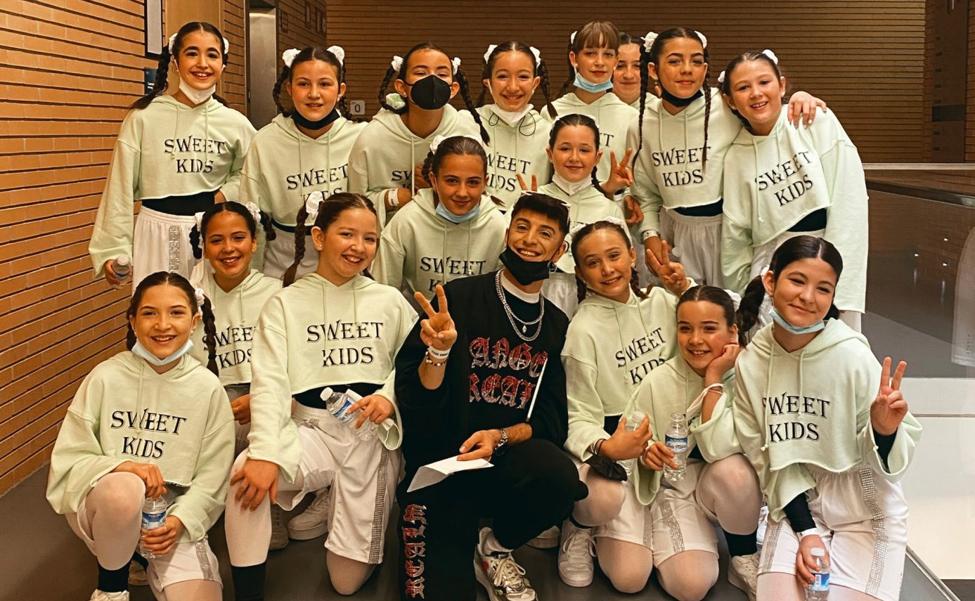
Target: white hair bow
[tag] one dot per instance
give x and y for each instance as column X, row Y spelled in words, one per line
column 312, row 202
column 704, row 40
column 172, row 44
column 339, row 53
column 771, row 56
column 198, row 217
column 721, row 77
column 201, row 298
column 288, row 56
column 490, row 50
column 396, row 63
column 253, row 210
column 537, row 53
column 572, row 37
column 456, row 63
column 649, row 39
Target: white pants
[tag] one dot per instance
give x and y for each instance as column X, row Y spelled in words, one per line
column 696, row 243
column 279, row 254
column 161, row 242
column 362, row 476
column 864, row 520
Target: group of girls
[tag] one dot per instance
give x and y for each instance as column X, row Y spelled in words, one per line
column 574, row 207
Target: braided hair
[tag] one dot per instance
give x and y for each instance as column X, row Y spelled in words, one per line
column 198, row 237
column 311, row 53
column 161, row 82
column 538, row 68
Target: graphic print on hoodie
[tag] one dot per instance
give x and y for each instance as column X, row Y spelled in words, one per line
column 167, row 149
column 420, row 249
column 812, row 406
column 773, row 181
column 384, row 156
column 515, row 149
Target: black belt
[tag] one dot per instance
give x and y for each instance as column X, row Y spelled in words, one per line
column 313, row 398
column 289, row 228
column 812, row 222
column 709, row 210
column 185, row 206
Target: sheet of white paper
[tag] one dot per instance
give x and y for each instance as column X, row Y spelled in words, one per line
column 431, row 473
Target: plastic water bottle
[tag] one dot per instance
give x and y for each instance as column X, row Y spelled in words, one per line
column 819, row 589
column 153, row 516
column 339, row 403
column 632, row 423
column 676, row 441
column 122, row 266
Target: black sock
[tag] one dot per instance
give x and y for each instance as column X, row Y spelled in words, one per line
column 572, row 519
column 142, row 561
column 113, row 581
column 741, row 544
column 249, row 582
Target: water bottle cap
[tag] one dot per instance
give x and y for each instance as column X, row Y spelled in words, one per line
column 818, row 552
column 326, row 393
column 123, row 260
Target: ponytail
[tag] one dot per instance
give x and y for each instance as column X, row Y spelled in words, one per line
column 300, row 228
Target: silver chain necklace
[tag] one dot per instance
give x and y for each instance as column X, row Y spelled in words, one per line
column 512, row 318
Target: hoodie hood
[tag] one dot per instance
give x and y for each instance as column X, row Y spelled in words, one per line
column 420, row 249
column 613, row 118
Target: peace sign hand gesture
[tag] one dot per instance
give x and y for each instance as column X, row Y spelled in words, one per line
column 525, row 187
column 889, row 408
column 437, row 330
column 620, row 174
column 671, row 273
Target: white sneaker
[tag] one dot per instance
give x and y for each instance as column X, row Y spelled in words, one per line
column 279, row 529
column 500, row 574
column 546, row 539
column 762, row 525
column 575, row 555
column 743, row 574
column 313, row 521
column 103, row 596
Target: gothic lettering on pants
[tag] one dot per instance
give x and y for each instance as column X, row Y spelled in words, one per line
column 414, row 549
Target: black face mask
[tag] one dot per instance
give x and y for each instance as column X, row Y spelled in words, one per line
column 526, row 272
column 677, row 101
column 430, row 93
column 300, row 120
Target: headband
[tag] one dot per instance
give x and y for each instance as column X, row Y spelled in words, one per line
column 172, row 43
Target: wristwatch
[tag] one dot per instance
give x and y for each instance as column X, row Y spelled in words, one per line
column 503, row 441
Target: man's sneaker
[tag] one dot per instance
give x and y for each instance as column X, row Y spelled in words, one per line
column 575, row 555
column 743, row 574
column 279, row 529
column 762, row 525
column 103, row 596
column 137, row 574
column 547, row 539
column 501, row 575
column 313, row 522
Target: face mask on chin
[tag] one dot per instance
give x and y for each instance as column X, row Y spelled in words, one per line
column 196, row 96
column 140, row 351
column 593, row 88
column 810, row 329
column 525, row 272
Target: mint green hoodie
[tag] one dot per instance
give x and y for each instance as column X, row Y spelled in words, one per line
column 586, row 206
column 674, row 388
column 314, row 334
column 283, row 165
column 613, row 117
column 167, row 149
column 386, row 152
column 812, row 406
column 235, row 315
column 604, row 365
column 668, row 171
column 124, row 411
column 417, row 244
column 515, row 150
column 773, row 181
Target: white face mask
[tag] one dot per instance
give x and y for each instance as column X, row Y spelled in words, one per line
column 140, row 351
column 512, row 118
column 570, row 188
column 196, row 96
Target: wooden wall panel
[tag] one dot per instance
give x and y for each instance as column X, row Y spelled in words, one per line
column 68, row 71
column 970, row 109
column 865, row 58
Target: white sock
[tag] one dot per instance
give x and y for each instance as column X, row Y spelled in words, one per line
column 492, row 546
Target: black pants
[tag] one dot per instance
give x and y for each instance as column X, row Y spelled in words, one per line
column 531, row 487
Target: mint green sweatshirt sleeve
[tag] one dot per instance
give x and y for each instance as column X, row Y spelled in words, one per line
column 644, row 189
column 112, row 234
column 716, row 437
column 780, row 486
column 273, row 435
column 201, row 505
column 737, row 245
column 584, row 405
column 359, row 177
column 646, row 482
column 231, row 187
column 78, row 461
column 905, row 441
column 388, row 266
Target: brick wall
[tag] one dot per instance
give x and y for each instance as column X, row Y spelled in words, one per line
column 68, row 70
